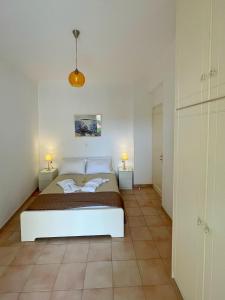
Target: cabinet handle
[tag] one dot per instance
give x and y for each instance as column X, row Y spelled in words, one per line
column 204, row 77
column 206, row 229
column 199, row 221
column 213, row 72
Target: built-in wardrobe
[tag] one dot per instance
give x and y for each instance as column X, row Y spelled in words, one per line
column 199, row 155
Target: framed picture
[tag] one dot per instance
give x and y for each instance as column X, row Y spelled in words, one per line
column 88, row 125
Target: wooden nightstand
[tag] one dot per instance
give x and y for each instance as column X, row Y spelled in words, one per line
column 126, row 178
column 45, row 177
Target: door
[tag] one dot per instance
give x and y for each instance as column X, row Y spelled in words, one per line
column 215, row 209
column 157, row 147
column 192, row 51
column 217, row 72
column 189, row 193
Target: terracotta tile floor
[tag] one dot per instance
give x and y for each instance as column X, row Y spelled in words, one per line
column 136, row 267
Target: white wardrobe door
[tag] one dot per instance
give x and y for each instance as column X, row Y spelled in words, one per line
column 217, row 78
column 215, row 213
column 190, row 188
column 193, row 19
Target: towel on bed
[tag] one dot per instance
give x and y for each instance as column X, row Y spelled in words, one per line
column 69, row 185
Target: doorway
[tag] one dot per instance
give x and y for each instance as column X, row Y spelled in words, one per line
column 157, row 147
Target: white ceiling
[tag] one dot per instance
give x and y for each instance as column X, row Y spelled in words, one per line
column 120, row 41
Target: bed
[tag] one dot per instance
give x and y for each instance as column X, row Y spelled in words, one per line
column 100, row 218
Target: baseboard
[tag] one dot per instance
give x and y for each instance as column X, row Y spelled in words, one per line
column 18, row 209
column 142, row 186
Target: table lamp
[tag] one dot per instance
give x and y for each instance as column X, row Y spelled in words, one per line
column 124, row 157
column 49, row 158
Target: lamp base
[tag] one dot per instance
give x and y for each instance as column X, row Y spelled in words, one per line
column 124, row 164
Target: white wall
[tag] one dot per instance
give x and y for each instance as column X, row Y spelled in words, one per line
column 58, row 103
column 142, row 137
column 126, row 123
column 164, row 93
column 19, row 140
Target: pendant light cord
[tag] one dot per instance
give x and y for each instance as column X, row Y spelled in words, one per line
column 76, row 53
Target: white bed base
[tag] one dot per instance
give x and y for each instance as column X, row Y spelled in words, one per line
column 76, row 222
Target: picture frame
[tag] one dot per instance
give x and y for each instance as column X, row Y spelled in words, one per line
column 88, row 125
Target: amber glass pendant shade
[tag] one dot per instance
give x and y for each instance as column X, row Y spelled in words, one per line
column 76, row 78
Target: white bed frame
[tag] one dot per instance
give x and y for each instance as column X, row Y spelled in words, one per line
column 67, row 223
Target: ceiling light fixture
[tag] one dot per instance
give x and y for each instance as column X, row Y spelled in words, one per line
column 76, row 78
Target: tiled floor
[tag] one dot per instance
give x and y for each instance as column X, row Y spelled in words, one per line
column 136, row 267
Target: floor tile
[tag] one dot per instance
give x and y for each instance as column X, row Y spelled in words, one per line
column 140, row 233
column 2, row 270
column 143, row 202
column 128, row 196
column 145, row 250
column 166, row 219
column 160, row 292
column 122, row 251
column 9, row 296
column 98, row 275
column 167, row 263
column 153, row 272
column 35, row 296
column 98, row 294
column 130, row 203
column 51, row 254
column 133, row 211
column 14, row 240
column 66, row 295
column 160, row 233
column 7, row 254
column 156, row 203
column 154, row 221
column 126, row 273
column 70, row 276
column 79, row 240
column 165, row 248
column 100, row 239
column 76, row 253
column 42, row 278
column 27, row 255
column 58, row 241
column 14, row 278
column 129, row 293
column 136, row 221
column 100, row 252
column 149, row 211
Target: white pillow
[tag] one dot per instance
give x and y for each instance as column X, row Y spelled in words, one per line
column 72, row 166
column 98, row 165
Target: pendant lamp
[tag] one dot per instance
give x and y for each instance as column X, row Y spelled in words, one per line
column 76, row 78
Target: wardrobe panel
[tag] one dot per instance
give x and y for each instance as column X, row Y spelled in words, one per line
column 190, row 189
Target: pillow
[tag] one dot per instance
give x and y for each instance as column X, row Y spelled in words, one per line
column 72, row 166
column 99, row 165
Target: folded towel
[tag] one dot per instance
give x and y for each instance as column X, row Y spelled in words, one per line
column 93, row 184
column 69, row 185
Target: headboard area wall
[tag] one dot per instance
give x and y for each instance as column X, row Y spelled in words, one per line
column 58, row 103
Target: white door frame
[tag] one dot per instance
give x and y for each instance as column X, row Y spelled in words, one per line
column 157, row 147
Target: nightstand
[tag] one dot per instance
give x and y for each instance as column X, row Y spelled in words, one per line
column 45, row 177
column 126, row 178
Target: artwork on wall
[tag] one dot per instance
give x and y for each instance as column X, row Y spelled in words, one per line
column 88, row 125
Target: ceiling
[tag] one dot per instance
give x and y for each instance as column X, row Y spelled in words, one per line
column 121, row 41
